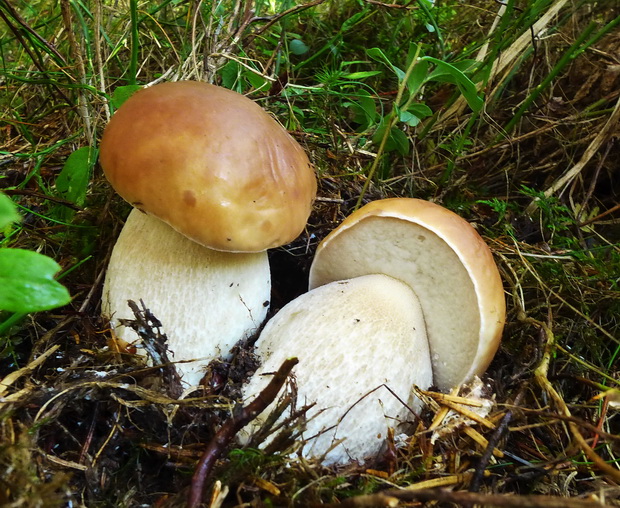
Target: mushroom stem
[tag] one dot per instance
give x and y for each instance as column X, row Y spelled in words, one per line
column 206, row 300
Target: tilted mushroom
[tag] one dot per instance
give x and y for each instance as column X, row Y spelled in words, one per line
column 218, row 169
column 361, row 325
column 446, row 263
column 361, row 346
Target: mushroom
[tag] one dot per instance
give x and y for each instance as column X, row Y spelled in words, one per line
column 361, row 345
column 223, row 176
column 446, row 263
column 404, row 292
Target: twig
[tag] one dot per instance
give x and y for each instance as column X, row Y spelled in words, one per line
column 476, row 479
column 242, row 415
column 275, row 19
column 407, row 6
column 600, row 216
column 41, row 195
column 155, row 343
column 14, row 376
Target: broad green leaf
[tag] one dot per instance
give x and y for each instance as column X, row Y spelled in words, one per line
column 397, row 140
column 256, row 80
column 27, row 282
column 122, row 93
column 441, row 74
column 418, row 74
column 378, row 55
column 298, row 47
column 465, row 85
column 8, row 211
column 230, row 75
column 367, row 103
column 365, row 110
column 352, row 21
column 420, row 110
column 412, row 53
column 72, row 181
column 408, row 118
column 413, row 116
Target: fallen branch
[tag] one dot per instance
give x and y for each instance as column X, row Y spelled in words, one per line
column 242, row 415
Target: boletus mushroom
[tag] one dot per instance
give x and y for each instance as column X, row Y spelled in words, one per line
column 445, row 262
column 215, row 181
column 361, row 345
column 403, row 292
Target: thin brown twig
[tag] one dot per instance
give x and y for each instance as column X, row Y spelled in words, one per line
column 600, row 215
column 275, row 19
column 35, row 194
column 242, row 415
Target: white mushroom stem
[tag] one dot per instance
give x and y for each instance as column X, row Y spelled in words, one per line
column 361, row 346
column 206, row 300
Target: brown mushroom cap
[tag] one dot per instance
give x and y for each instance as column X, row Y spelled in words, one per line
column 212, row 164
column 446, row 263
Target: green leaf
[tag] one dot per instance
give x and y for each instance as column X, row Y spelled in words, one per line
column 378, row 55
column 414, row 114
column 122, row 93
column 256, row 80
column 27, row 282
column 230, row 76
column 298, row 47
column 420, row 110
column 361, row 75
column 397, row 140
column 465, row 85
column 72, row 181
column 8, row 211
column 365, row 110
column 418, row 74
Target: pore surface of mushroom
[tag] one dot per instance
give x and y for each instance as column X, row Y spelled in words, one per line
column 206, row 300
column 446, row 263
column 354, row 339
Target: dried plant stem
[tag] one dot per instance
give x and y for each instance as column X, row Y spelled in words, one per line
column 14, row 376
column 603, row 135
column 542, row 380
column 77, row 55
column 242, row 415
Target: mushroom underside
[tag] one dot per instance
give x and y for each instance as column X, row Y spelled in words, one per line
column 416, row 255
column 362, row 346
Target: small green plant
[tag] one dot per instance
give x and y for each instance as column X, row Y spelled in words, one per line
column 27, row 281
column 406, row 109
